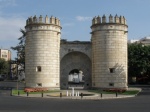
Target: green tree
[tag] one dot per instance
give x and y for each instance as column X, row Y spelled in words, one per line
column 4, row 66
column 20, row 49
column 138, row 60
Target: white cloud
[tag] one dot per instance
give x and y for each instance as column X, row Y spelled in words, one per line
column 6, row 3
column 81, row 18
column 9, row 28
column 68, row 24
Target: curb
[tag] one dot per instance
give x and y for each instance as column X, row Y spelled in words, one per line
column 95, row 97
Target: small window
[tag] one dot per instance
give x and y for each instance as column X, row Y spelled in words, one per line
column 4, row 56
column 111, row 84
column 38, row 69
column 57, row 84
column 112, row 70
column 39, row 84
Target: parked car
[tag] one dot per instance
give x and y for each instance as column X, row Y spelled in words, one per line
column 2, row 78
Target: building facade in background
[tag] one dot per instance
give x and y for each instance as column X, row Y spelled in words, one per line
column 5, row 54
column 145, row 41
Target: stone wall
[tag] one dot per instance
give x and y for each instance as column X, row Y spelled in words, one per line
column 109, row 54
column 75, row 55
column 42, row 53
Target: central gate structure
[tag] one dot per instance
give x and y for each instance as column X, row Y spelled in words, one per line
column 75, row 55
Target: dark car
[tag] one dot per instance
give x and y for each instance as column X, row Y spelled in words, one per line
column 2, row 78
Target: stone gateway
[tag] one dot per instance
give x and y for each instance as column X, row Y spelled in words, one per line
column 54, row 63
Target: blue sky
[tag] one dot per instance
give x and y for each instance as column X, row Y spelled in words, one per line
column 75, row 17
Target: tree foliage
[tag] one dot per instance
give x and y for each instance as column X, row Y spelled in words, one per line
column 138, row 60
column 4, row 66
column 20, row 49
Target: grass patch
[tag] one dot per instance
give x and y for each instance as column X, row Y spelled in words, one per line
column 15, row 92
column 129, row 92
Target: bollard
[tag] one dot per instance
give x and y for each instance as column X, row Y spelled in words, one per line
column 18, row 93
column 42, row 94
column 73, row 91
column 101, row 95
column 60, row 95
column 116, row 94
column 11, row 93
column 76, row 94
column 81, row 95
column 27, row 93
column 67, row 93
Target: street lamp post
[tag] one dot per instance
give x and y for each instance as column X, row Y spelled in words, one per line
column 17, row 76
column 17, row 72
column 16, row 62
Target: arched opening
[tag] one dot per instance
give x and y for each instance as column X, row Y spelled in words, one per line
column 76, row 78
column 74, row 63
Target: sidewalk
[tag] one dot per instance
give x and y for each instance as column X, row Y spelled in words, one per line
column 143, row 87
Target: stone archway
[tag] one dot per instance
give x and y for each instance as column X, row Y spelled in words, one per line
column 75, row 60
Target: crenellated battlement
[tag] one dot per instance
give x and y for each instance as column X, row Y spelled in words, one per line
column 111, row 19
column 41, row 20
column 40, row 23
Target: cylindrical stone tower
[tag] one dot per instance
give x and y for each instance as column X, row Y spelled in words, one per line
column 42, row 63
column 109, row 52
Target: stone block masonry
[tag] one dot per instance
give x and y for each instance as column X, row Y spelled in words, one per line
column 42, row 52
column 109, row 52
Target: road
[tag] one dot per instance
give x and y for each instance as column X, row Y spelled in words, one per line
column 25, row 104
